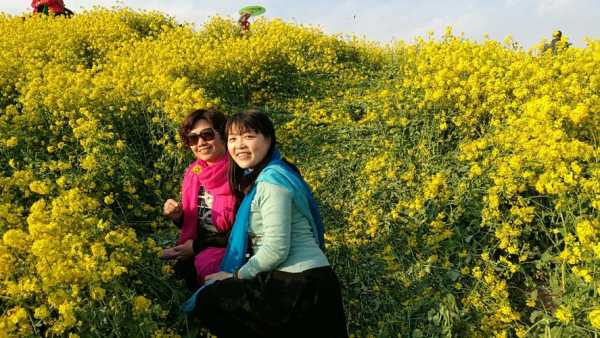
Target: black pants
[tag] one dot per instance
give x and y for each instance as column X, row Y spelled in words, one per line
column 185, row 269
column 275, row 304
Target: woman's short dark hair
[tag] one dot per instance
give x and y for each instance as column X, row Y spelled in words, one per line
column 213, row 115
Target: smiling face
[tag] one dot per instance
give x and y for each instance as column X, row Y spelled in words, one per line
column 204, row 148
column 247, row 148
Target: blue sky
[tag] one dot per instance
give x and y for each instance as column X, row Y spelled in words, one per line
column 383, row 20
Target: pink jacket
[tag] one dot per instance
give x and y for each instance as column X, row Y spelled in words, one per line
column 215, row 181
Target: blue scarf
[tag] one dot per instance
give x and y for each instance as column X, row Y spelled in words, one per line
column 281, row 174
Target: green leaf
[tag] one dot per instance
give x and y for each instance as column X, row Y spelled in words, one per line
column 535, row 316
column 453, row 275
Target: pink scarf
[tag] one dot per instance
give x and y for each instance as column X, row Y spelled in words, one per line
column 214, row 180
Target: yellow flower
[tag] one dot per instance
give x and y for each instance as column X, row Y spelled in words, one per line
column 41, row 312
column 11, row 142
column 115, row 238
column 141, row 304
column 476, row 271
column 98, row 250
column 563, row 314
column 531, row 300
column 120, row 145
column 98, row 293
column 109, row 199
column 165, row 333
column 89, row 162
column 40, row 187
column 585, row 232
column 67, row 315
column 16, row 239
column 167, row 268
column 61, row 181
column 197, row 169
column 594, row 318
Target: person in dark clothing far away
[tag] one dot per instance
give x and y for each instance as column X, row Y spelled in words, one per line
column 557, row 43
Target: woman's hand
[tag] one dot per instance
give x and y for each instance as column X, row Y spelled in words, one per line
column 182, row 251
column 169, row 253
column 219, row 276
column 185, row 250
column 172, row 210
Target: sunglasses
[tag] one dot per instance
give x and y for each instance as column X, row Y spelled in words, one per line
column 207, row 134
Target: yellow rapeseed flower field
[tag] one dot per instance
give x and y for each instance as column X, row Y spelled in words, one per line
column 459, row 181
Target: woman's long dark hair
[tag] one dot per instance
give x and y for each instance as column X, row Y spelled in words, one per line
column 258, row 122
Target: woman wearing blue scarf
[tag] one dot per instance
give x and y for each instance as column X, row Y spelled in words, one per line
column 281, row 285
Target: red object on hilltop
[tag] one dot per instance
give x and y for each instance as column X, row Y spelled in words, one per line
column 244, row 23
column 54, row 6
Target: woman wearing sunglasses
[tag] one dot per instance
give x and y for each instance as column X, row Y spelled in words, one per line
column 207, row 208
column 287, row 287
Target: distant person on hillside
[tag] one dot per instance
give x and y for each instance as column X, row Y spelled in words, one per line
column 55, row 7
column 246, row 13
column 557, row 43
column 244, row 23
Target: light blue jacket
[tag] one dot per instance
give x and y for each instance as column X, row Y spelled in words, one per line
column 281, row 235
